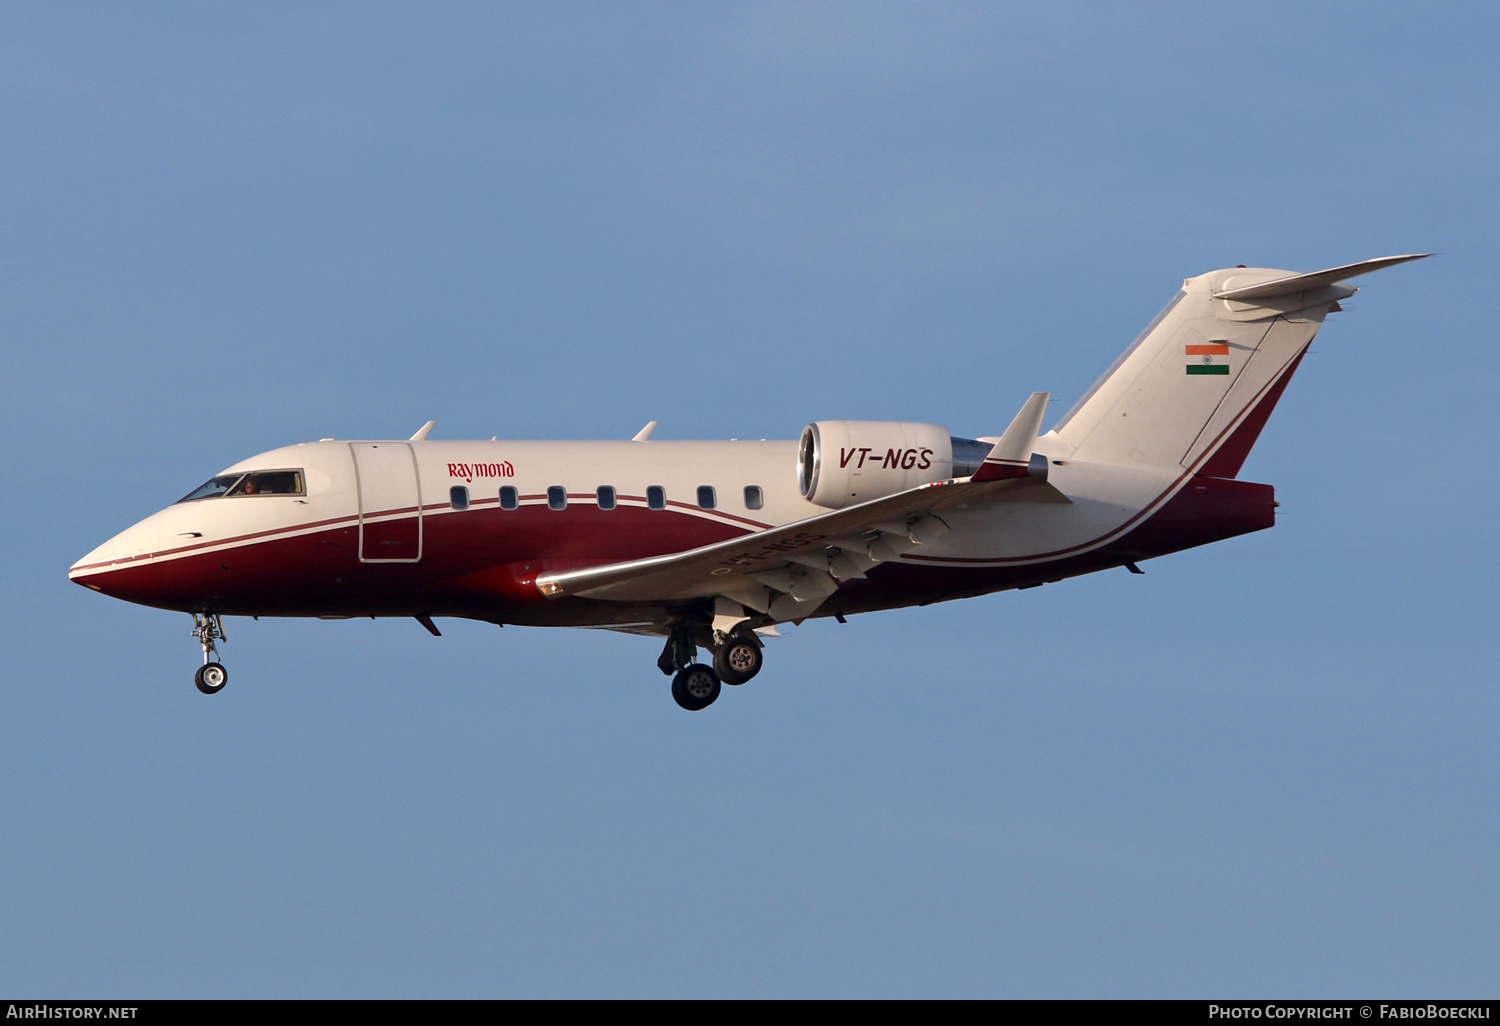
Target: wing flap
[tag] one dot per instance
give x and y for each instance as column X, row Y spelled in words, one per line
column 793, row 560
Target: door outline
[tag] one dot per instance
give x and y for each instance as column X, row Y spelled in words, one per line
column 360, row 492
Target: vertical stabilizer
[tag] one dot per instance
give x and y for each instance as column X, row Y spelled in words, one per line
column 1221, row 347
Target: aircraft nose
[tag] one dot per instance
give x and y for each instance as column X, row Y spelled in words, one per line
column 87, row 567
column 123, row 567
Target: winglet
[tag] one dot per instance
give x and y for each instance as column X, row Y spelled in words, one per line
column 422, row 432
column 1012, row 454
column 645, row 432
column 1313, row 280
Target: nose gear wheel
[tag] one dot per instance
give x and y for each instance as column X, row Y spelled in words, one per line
column 211, row 678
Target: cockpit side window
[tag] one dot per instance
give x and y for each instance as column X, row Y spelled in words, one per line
column 270, row 482
column 259, row 482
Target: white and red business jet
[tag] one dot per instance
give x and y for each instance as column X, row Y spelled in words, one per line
column 712, row 544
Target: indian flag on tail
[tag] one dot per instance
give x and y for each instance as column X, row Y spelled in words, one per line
column 1203, row 354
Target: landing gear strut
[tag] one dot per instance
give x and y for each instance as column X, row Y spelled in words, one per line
column 681, row 650
column 211, row 676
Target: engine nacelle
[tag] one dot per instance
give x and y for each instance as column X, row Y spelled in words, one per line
column 844, row 462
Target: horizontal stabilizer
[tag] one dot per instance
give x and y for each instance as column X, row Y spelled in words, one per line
column 1012, row 453
column 1313, row 280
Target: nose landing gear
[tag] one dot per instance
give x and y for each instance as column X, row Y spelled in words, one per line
column 211, row 676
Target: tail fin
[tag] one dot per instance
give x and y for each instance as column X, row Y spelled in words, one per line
column 1214, row 361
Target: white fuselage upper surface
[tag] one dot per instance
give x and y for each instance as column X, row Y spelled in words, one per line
column 1104, row 497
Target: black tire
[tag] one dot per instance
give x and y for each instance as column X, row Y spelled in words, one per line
column 211, row 678
column 737, row 660
column 695, row 687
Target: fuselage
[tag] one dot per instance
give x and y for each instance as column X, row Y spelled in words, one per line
column 463, row 528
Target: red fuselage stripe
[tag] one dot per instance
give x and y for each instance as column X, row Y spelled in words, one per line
column 353, row 519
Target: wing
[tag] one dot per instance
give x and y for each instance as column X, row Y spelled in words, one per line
column 786, row 572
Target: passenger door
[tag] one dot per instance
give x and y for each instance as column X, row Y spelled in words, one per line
column 390, row 503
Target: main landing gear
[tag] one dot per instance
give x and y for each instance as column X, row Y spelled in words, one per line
column 738, row 659
column 211, row 676
column 695, row 686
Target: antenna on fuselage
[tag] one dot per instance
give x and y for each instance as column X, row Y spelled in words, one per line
column 645, row 432
column 421, row 435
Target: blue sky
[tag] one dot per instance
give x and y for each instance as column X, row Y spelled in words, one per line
column 1265, row 768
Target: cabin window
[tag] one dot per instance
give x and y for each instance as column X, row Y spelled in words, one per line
column 508, row 497
column 458, row 497
column 557, row 497
column 706, row 497
column 606, row 497
column 754, row 499
column 656, row 497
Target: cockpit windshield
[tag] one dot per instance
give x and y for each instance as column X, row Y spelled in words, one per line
column 259, row 482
